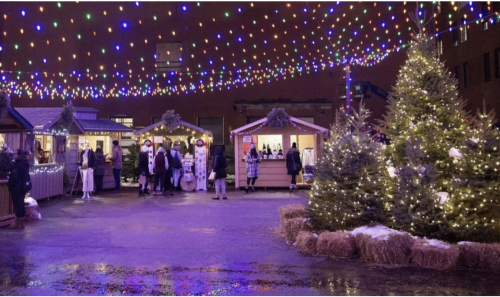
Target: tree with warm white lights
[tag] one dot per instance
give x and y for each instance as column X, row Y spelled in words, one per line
column 347, row 190
column 475, row 208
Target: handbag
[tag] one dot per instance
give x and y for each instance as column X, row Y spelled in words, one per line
column 177, row 163
column 142, row 179
column 211, row 176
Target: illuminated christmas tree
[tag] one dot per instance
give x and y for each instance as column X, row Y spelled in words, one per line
column 347, row 190
column 476, row 205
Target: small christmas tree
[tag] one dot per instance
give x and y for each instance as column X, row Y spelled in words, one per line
column 347, row 191
column 130, row 169
column 476, row 204
column 6, row 161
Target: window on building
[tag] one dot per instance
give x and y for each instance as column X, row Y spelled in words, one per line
column 457, row 75
column 466, row 75
column 168, row 57
column 126, row 121
column 455, row 34
column 497, row 63
column 484, row 12
column 216, row 125
column 487, row 70
column 440, row 45
column 463, row 31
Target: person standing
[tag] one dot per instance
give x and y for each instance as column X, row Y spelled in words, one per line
column 100, row 167
column 117, row 162
column 293, row 165
column 176, row 165
column 252, row 160
column 161, row 166
column 220, row 165
column 19, row 184
column 168, row 174
column 144, row 171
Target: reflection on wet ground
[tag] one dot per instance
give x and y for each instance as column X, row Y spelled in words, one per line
column 172, row 251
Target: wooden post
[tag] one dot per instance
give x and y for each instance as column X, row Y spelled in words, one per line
column 236, row 160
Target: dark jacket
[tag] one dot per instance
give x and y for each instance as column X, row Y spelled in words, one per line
column 91, row 163
column 20, row 173
column 170, row 160
column 144, row 163
column 220, row 163
column 117, row 158
column 160, row 164
column 100, row 163
column 292, row 156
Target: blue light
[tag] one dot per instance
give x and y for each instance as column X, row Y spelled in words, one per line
column 136, row 3
column 332, row 10
column 218, row 36
column 45, row 61
column 38, row 27
column 1, row 48
column 117, row 47
column 239, row 39
column 393, row 17
column 330, row 32
column 184, row 8
column 23, row 13
column 383, row 25
column 4, row 78
column 239, row 9
column 305, row 9
column 355, row 32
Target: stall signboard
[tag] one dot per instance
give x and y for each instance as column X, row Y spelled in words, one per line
column 158, row 139
column 247, row 139
column 81, row 140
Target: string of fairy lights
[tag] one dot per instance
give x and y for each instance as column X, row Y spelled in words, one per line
column 80, row 50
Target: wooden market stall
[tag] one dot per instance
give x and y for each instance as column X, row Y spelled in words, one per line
column 187, row 135
column 96, row 132
column 13, row 128
column 273, row 172
column 47, row 145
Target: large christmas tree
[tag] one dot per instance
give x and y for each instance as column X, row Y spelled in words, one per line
column 475, row 207
column 426, row 112
column 347, row 190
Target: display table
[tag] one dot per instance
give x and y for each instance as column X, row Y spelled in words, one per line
column 273, row 173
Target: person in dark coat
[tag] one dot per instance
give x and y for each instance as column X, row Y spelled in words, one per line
column 100, row 168
column 168, row 185
column 144, row 171
column 160, row 169
column 220, row 165
column 19, row 178
column 293, row 165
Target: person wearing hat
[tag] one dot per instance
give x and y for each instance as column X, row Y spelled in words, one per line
column 117, row 162
column 252, row 160
column 176, row 165
column 160, row 169
column 100, row 163
column 293, row 165
column 19, row 179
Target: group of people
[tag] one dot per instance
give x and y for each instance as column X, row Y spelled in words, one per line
column 253, row 158
column 167, row 170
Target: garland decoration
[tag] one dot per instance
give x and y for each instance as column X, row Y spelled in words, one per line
column 67, row 115
column 4, row 104
column 172, row 120
column 278, row 118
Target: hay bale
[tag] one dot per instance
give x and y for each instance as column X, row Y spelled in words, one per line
column 292, row 227
column 434, row 254
column 291, row 211
column 306, row 241
column 384, row 246
column 336, row 244
column 480, row 255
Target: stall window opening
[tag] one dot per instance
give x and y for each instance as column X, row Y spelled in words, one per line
column 43, row 149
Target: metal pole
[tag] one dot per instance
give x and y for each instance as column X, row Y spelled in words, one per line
column 348, row 88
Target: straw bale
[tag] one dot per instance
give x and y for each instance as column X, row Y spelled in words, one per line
column 291, row 211
column 336, row 244
column 480, row 255
column 306, row 241
column 385, row 247
column 434, row 254
column 292, row 227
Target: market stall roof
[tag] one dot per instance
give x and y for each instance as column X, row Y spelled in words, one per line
column 104, row 125
column 292, row 119
column 13, row 121
column 44, row 118
column 185, row 124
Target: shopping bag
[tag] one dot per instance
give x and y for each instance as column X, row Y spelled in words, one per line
column 211, row 176
column 142, row 179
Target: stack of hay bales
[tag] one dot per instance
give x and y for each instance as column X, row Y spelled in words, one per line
column 434, row 254
column 480, row 255
column 306, row 241
column 384, row 246
column 336, row 244
column 292, row 221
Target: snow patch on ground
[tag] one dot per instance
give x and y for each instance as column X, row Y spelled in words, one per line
column 465, row 243
column 378, row 232
column 437, row 243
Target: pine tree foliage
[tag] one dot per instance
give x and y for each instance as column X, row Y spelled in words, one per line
column 476, row 203
column 425, row 103
column 130, row 169
column 347, row 190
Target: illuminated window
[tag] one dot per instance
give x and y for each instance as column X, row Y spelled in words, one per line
column 168, row 57
column 463, row 31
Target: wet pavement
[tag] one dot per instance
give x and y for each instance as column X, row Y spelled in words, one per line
column 188, row 244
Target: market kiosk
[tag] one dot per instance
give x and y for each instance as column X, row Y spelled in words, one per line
column 13, row 129
column 194, row 143
column 273, row 172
